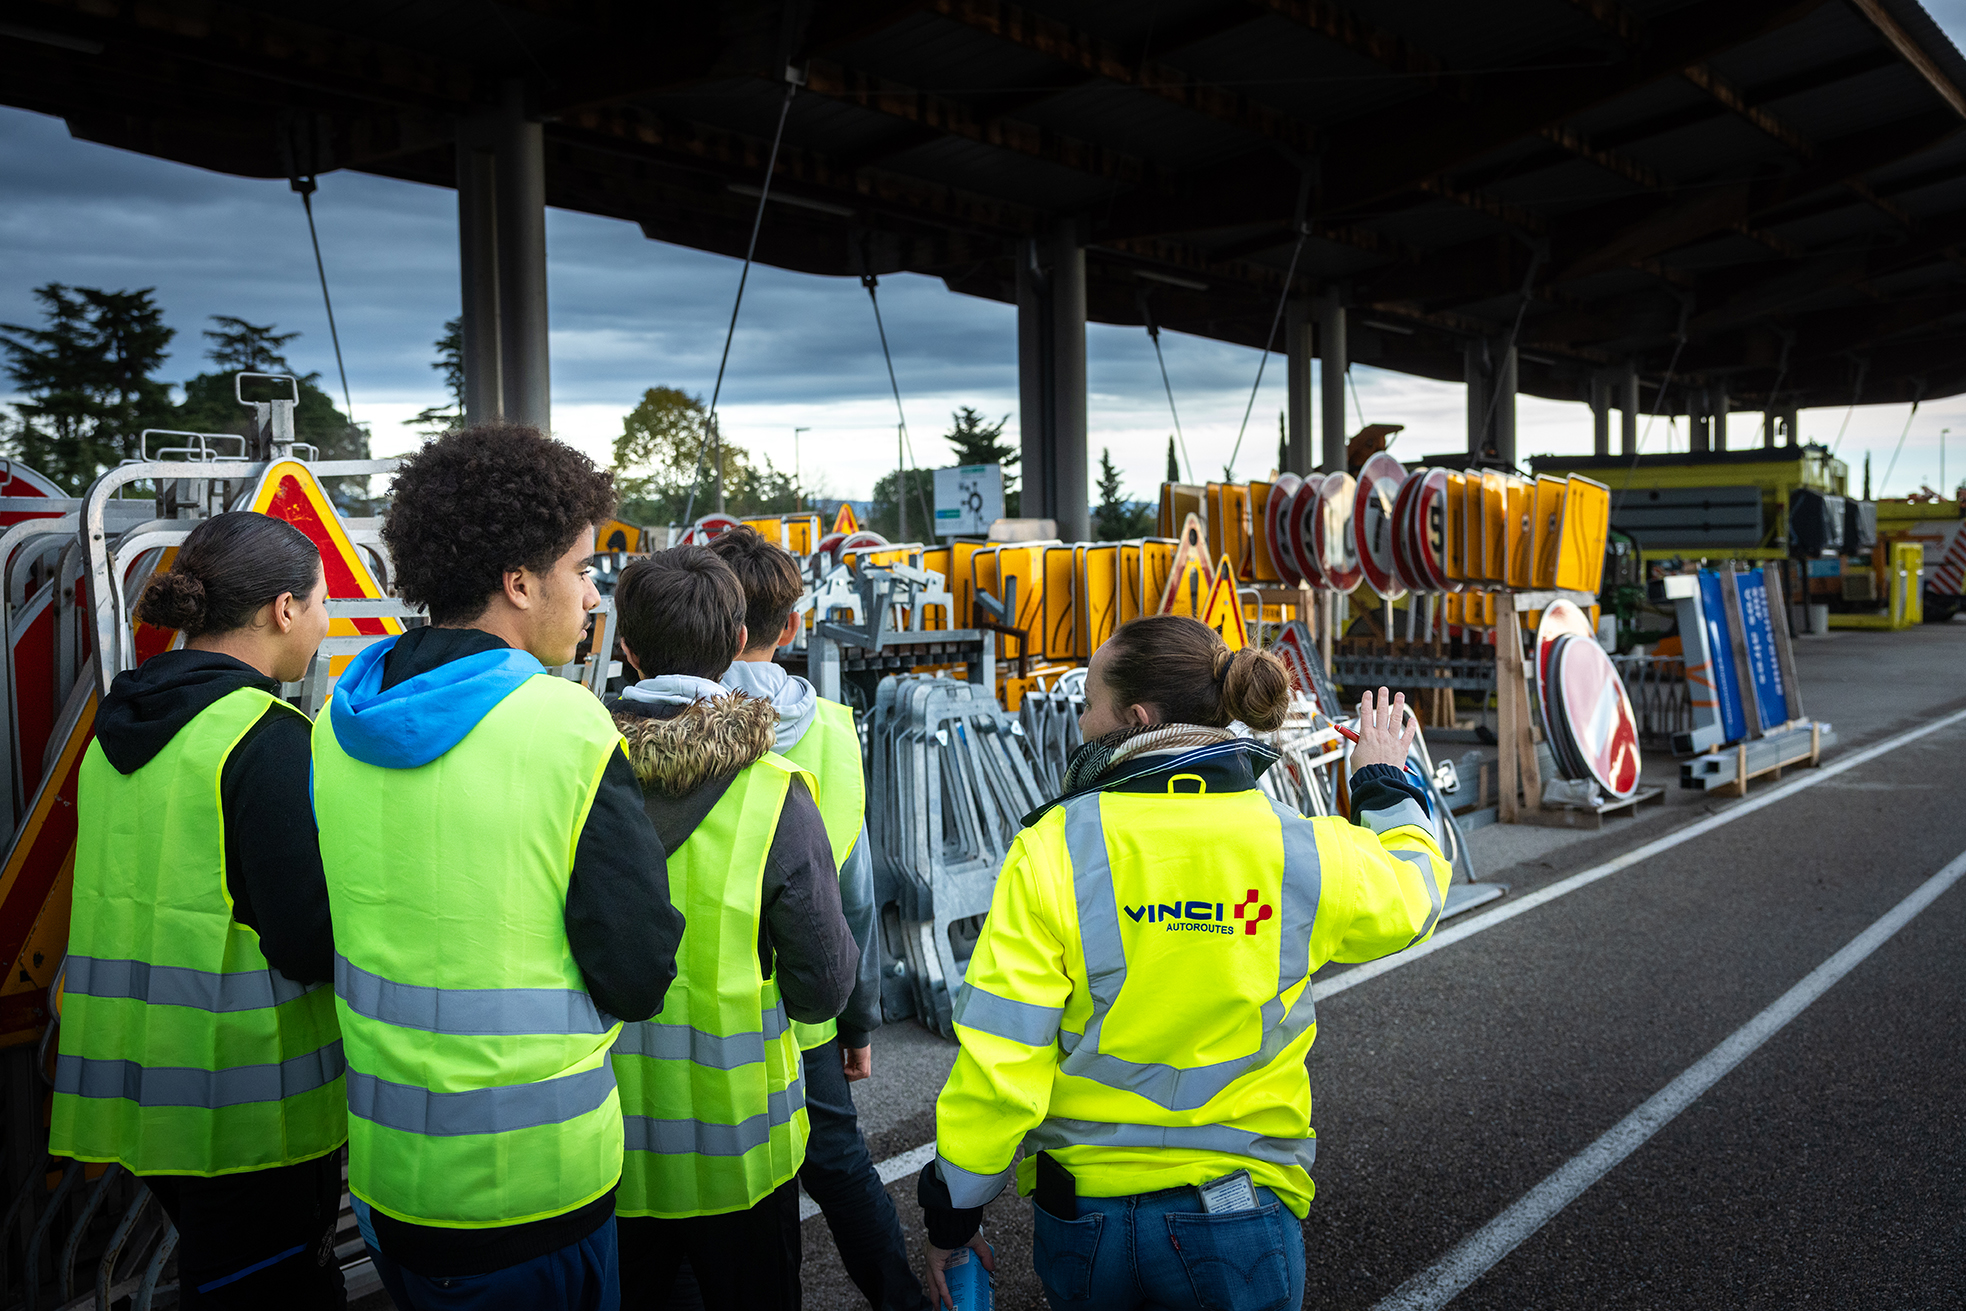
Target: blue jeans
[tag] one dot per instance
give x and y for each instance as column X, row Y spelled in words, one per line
column 582, row 1276
column 1161, row 1250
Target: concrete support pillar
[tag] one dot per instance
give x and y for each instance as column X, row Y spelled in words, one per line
column 1334, row 361
column 1297, row 352
column 1475, row 372
column 1768, row 424
column 1699, row 422
column 1717, row 406
column 501, row 214
column 522, row 264
column 1790, row 436
column 1600, row 402
column 477, row 251
column 1628, row 403
column 1490, row 371
column 1051, row 380
column 1505, row 387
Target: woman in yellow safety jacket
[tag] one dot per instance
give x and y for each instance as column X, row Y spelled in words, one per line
column 1138, row 1009
column 198, row 1046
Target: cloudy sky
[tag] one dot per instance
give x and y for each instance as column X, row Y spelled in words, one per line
column 629, row 313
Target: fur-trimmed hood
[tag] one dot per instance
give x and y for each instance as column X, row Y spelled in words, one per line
column 707, row 740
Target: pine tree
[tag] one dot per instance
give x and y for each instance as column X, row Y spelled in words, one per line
column 977, row 442
column 242, row 347
column 87, row 378
column 1173, row 466
column 440, row 419
column 211, row 402
column 1116, row 517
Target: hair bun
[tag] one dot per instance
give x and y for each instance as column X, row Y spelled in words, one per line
column 1223, row 659
column 173, row 600
column 1255, row 689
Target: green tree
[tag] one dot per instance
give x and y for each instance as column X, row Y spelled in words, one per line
column 87, row 376
column 977, row 442
column 211, row 402
column 655, row 460
column 1173, row 465
column 440, row 419
column 1117, row 517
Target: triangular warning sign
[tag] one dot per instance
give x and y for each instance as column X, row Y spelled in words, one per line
column 289, row 490
column 1223, row 609
column 845, row 522
column 1190, row 552
column 1187, row 591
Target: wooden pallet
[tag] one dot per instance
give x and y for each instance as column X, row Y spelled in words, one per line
column 1593, row 817
column 1813, row 757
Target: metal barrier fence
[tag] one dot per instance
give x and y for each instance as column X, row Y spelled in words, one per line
column 1657, row 688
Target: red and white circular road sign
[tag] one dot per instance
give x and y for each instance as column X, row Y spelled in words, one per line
column 1379, row 481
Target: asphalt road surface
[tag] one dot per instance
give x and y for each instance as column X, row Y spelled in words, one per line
column 1827, row 1166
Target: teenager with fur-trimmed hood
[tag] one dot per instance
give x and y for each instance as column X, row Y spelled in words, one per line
column 712, row 1092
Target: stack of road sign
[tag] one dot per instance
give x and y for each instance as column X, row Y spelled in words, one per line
column 1740, row 675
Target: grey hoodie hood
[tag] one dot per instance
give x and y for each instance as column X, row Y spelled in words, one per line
column 792, row 697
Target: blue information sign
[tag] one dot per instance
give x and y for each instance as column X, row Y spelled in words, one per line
column 1758, row 627
column 1720, row 658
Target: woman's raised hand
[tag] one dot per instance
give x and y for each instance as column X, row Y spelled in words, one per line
column 1385, row 731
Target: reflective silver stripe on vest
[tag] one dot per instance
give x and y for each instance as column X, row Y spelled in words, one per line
column 1019, row 1021
column 1388, row 818
column 1171, row 1087
column 167, row 1085
column 478, row 1110
column 467, row 1012
column 1421, row 861
column 177, row 985
column 642, row 1133
column 968, row 1189
column 681, row 1042
column 1058, row 1132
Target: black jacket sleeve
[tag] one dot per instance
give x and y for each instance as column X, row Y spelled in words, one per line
column 949, row 1226
column 803, row 925
column 272, row 851
column 620, row 922
column 1381, row 787
column 863, row 1010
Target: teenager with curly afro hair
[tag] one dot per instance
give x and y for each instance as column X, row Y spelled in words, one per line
column 482, row 502
column 521, row 862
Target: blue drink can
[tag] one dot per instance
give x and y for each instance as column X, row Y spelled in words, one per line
column 970, row 1285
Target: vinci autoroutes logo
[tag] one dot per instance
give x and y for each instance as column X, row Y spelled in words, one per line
column 1203, row 916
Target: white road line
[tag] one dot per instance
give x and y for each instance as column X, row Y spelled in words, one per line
column 917, row 1157
column 1475, row 1255
column 1584, row 878
column 894, row 1167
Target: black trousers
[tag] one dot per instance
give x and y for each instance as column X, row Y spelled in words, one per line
column 839, row 1175
column 742, row 1260
column 256, row 1240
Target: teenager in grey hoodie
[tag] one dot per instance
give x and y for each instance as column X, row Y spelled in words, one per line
column 838, row 1172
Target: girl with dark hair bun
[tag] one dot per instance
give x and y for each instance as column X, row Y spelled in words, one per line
column 197, row 1046
column 1137, row 1009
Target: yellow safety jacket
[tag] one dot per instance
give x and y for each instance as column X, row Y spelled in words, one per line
column 830, row 752
column 1139, row 1001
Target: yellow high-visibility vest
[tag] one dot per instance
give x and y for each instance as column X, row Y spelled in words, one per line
column 182, row 1051
column 830, row 753
column 712, row 1088
column 479, row 1088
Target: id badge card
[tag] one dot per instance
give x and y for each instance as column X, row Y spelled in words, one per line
column 1232, row 1192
